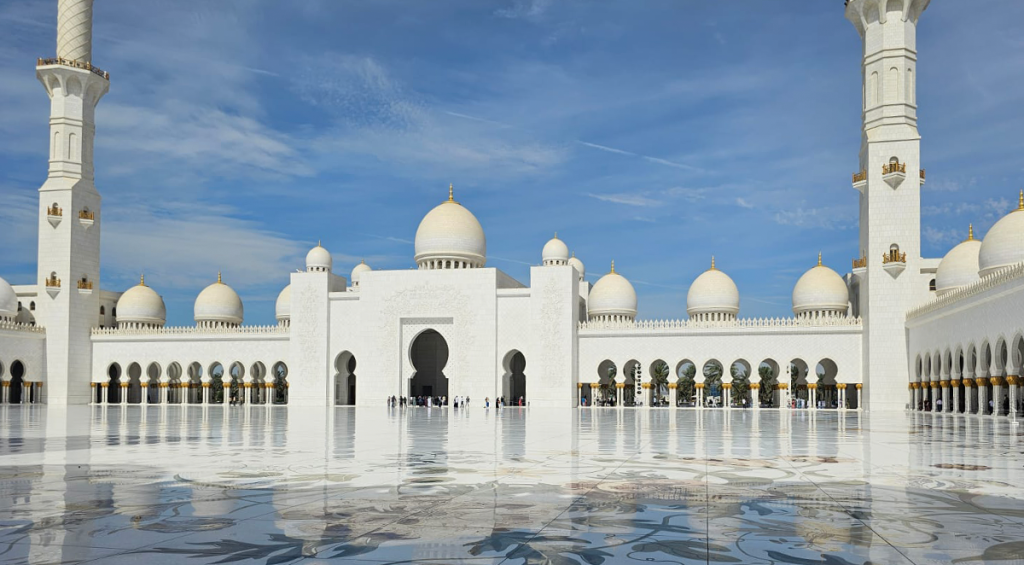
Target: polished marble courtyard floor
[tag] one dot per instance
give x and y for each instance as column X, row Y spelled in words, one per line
column 600, row 486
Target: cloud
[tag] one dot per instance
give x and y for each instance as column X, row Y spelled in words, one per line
column 689, row 194
column 628, row 199
column 648, row 158
column 937, row 236
column 646, row 219
column 829, row 218
column 524, row 9
column 742, row 203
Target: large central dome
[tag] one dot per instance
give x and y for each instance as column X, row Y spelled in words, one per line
column 450, row 237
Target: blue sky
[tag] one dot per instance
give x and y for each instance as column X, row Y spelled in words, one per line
column 238, row 133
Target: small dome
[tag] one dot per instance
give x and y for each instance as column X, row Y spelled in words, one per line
column 555, row 252
column 960, row 266
column 283, row 307
column 450, row 235
column 713, row 292
column 219, row 304
column 612, row 295
column 8, row 301
column 141, row 305
column 357, row 271
column 578, row 265
column 1004, row 243
column 820, row 290
column 319, row 259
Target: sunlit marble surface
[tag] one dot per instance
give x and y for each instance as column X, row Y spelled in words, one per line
column 252, row 485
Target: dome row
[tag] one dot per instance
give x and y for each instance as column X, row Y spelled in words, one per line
column 713, row 296
column 971, row 260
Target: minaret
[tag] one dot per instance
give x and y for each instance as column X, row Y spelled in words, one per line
column 890, row 182
column 69, row 208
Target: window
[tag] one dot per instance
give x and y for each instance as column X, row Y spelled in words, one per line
column 103, row 310
column 931, row 285
column 32, row 306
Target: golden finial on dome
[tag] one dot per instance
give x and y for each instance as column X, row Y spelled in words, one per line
column 451, row 192
column 819, row 258
column 713, row 263
column 219, row 281
column 362, row 261
column 970, row 232
column 319, row 243
column 573, row 253
column 556, row 235
column 613, row 266
column 1020, row 202
column 142, row 279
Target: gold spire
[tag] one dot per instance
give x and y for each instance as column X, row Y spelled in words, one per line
column 713, row 263
column 219, row 281
column 970, row 232
column 451, row 192
column 573, row 253
column 819, row 258
column 142, row 279
column 1020, row 203
column 319, row 243
column 556, row 235
column 613, row 265
column 362, row 261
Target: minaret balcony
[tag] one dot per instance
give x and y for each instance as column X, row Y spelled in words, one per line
column 922, row 177
column 860, row 266
column 894, row 262
column 53, row 286
column 73, row 64
column 860, row 180
column 54, row 214
column 85, row 286
column 86, row 218
column 894, row 174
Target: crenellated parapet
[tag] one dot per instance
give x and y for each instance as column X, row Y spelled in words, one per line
column 817, row 321
column 9, row 325
column 141, row 329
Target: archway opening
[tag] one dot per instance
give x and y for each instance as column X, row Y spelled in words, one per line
column 739, row 372
column 195, row 383
column 659, row 372
column 152, row 384
column 606, row 395
column 345, row 379
column 798, row 375
column 633, row 374
column 174, row 383
column 514, row 382
column 429, row 355
column 712, row 372
column 280, row 373
column 134, row 383
column 113, row 383
column 258, row 372
column 216, row 383
column 235, row 390
column 768, row 370
column 828, row 393
column 17, row 382
column 686, row 370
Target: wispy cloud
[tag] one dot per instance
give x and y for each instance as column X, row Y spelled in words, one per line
column 742, row 203
column 629, row 199
column 829, row 218
column 648, row 158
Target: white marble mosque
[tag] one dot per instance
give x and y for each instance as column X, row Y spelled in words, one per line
column 899, row 331
column 123, row 440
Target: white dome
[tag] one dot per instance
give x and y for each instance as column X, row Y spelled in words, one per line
column 357, row 271
column 555, row 252
column 713, row 292
column 318, row 259
column 452, row 233
column 960, row 266
column 820, row 289
column 612, row 295
column 283, row 307
column 1004, row 243
column 141, row 305
column 578, row 265
column 8, row 301
column 219, row 304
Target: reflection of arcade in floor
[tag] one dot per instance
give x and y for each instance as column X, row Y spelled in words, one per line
column 429, row 354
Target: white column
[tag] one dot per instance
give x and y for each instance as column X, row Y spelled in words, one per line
column 1012, row 381
column 755, row 396
column 812, row 396
column 4, row 387
column 997, row 396
column 945, row 396
column 673, row 395
column 982, row 396
column 954, row 405
column 123, row 399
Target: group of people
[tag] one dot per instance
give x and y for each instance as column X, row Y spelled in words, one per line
column 427, row 401
column 500, row 402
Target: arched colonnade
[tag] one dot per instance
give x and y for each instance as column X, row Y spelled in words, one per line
column 193, row 383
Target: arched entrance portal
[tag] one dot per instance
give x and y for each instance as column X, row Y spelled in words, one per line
column 345, row 379
column 429, row 355
column 514, row 386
